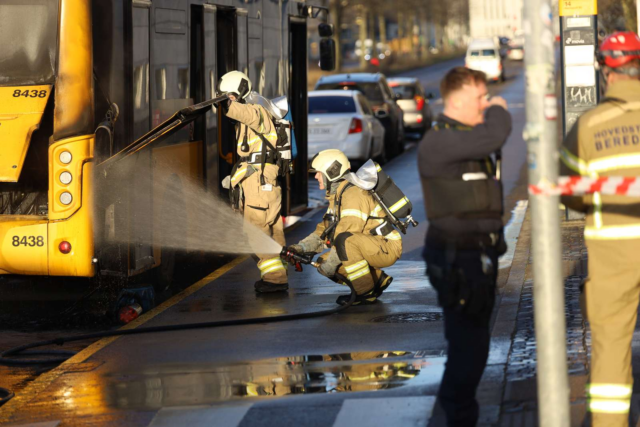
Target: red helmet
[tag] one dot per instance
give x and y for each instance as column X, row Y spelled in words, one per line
column 619, row 49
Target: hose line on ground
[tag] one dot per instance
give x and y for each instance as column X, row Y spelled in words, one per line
column 12, row 356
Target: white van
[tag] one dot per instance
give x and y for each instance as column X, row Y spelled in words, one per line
column 484, row 55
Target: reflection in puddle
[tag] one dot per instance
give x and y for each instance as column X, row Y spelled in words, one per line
column 197, row 384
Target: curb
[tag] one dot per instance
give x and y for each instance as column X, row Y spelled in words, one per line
column 491, row 389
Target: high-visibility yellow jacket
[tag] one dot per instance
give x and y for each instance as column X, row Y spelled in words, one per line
column 359, row 213
column 252, row 120
column 606, row 142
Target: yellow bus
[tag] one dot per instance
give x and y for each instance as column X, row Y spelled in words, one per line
column 81, row 80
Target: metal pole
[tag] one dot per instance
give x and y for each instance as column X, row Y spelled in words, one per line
column 541, row 135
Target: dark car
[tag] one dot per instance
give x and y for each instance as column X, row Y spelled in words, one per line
column 414, row 102
column 375, row 88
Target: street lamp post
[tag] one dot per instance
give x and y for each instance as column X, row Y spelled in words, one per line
column 541, row 136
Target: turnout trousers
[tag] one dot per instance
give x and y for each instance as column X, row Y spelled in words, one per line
column 612, row 294
column 363, row 256
column 262, row 209
column 466, row 329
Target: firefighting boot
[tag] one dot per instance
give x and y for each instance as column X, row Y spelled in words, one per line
column 364, row 299
column 265, row 287
column 383, row 283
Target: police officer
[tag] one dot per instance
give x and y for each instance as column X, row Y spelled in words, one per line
column 362, row 242
column 463, row 200
column 257, row 174
column 606, row 142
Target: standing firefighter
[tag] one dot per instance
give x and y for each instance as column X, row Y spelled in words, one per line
column 356, row 229
column 606, row 142
column 463, row 200
column 256, row 174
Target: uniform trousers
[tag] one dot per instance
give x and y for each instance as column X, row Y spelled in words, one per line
column 612, row 293
column 262, row 206
column 466, row 327
column 363, row 256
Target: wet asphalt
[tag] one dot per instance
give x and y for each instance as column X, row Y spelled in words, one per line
column 308, row 372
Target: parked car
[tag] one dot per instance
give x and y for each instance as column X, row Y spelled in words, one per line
column 516, row 49
column 414, row 102
column 344, row 119
column 375, row 88
column 484, row 55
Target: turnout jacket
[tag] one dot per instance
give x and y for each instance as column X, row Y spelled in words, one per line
column 359, row 213
column 452, row 159
column 252, row 121
column 606, row 142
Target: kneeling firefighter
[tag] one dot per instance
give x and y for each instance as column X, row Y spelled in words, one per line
column 254, row 179
column 356, row 228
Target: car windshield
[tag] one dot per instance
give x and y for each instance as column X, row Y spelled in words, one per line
column 483, row 52
column 405, row 91
column 28, row 29
column 370, row 90
column 331, row 104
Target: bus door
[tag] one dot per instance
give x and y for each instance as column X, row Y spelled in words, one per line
column 231, row 54
column 296, row 195
column 139, row 123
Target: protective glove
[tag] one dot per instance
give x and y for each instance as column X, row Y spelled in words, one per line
column 297, row 249
column 330, row 264
column 311, row 243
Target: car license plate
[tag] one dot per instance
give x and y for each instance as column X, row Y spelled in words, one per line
column 320, row 131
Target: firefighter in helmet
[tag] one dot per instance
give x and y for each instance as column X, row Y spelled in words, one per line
column 606, row 142
column 256, row 173
column 361, row 241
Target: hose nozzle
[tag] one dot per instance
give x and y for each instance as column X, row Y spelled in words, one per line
column 296, row 258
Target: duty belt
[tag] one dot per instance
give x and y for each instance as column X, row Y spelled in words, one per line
column 255, row 158
column 467, row 241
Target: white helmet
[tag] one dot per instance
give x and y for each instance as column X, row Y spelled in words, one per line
column 235, row 82
column 332, row 163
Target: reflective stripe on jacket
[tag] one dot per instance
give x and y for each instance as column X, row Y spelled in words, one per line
column 606, row 142
column 359, row 213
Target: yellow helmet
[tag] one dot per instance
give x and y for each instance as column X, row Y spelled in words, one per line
column 332, row 163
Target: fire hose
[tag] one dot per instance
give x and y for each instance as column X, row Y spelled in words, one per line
column 13, row 356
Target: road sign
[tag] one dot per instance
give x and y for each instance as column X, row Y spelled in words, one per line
column 578, row 7
column 580, row 89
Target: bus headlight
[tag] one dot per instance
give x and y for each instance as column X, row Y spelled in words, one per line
column 65, row 178
column 65, row 157
column 66, row 198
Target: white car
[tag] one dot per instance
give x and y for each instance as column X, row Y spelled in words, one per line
column 343, row 119
column 484, row 55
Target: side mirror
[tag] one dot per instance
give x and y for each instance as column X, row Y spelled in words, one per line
column 327, row 54
column 325, row 30
column 381, row 114
column 397, row 96
column 429, row 95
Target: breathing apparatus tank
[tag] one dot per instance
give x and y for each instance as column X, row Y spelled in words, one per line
column 383, row 189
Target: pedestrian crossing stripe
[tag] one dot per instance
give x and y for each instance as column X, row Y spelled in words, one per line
column 373, row 412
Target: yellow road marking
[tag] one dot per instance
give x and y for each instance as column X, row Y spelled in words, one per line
column 44, row 380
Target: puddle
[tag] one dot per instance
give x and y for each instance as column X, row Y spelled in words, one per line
column 198, row 384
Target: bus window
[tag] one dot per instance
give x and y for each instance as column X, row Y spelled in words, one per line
column 170, row 53
column 28, row 30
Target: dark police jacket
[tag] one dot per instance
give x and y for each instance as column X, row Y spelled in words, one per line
column 460, row 191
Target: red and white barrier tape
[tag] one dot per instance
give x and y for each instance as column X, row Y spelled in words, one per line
column 581, row 185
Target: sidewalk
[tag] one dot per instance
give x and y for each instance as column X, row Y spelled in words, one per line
column 509, row 382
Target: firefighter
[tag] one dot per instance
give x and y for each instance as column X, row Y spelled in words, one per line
column 606, row 142
column 362, row 242
column 463, row 201
column 256, row 173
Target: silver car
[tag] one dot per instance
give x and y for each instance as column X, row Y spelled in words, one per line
column 414, row 102
column 344, row 119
